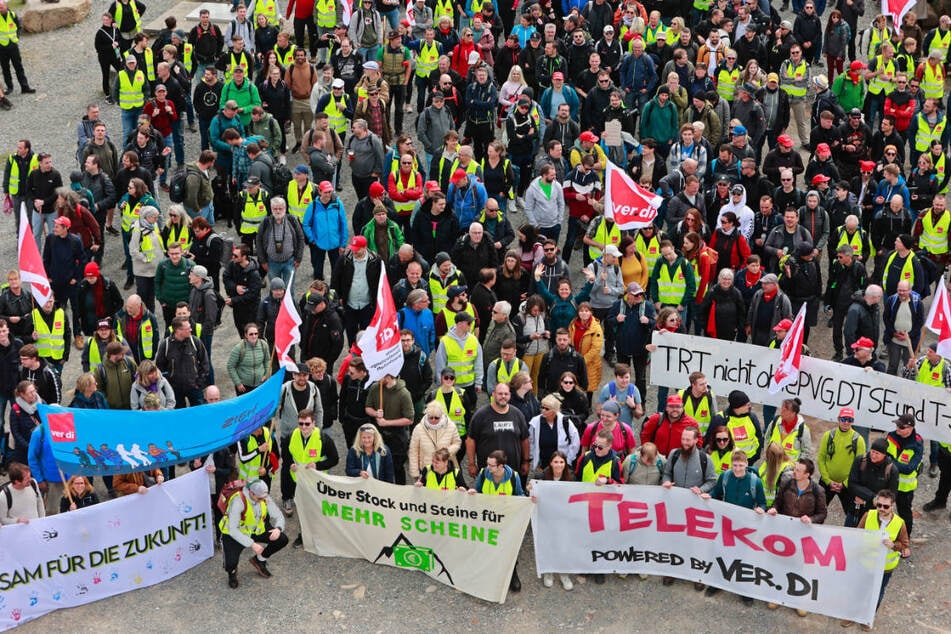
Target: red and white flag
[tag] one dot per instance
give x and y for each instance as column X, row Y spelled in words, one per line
column 939, row 319
column 287, row 328
column 31, row 264
column 410, row 13
column 347, row 11
column 380, row 342
column 791, row 348
column 627, row 203
column 897, row 10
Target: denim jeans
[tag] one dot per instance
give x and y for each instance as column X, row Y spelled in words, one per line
column 130, row 120
column 37, row 223
column 203, row 135
column 282, row 270
column 393, row 17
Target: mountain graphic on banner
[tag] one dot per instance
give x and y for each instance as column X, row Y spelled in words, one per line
column 404, row 554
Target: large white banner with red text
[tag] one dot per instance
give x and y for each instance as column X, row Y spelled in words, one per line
column 583, row 528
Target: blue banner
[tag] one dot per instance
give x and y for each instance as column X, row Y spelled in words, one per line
column 109, row 442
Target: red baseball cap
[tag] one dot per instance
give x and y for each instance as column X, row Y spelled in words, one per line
column 376, row 190
column 358, row 242
column 459, row 174
column 824, row 148
column 785, row 140
column 847, row 412
column 326, row 186
column 863, row 342
column 674, row 399
column 63, row 220
column 820, row 178
column 589, row 136
column 783, row 325
column 558, row 75
column 432, row 186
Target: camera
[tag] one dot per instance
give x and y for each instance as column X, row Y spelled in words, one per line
column 413, row 557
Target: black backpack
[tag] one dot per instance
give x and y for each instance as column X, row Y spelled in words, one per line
column 281, row 177
column 176, row 187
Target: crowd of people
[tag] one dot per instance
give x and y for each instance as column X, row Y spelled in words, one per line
column 517, row 112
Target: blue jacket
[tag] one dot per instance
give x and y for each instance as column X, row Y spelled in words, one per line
column 64, row 259
column 219, row 124
column 481, row 102
column 890, row 309
column 886, row 191
column 638, row 74
column 468, row 203
column 523, row 34
column 384, row 472
column 509, row 475
column 571, row 98
column 326, row 225
column 423, row 326
column 40, row 456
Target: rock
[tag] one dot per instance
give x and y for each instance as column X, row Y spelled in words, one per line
column 349, row 586
column 337, row 614
column 360, row 592
column 430, row 589
column 37, row 17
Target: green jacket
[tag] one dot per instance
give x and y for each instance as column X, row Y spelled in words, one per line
column 393, row 231
column 248, row 364
column 850, row 95
column 836, row 458
column 660, row 122
column 171, row 282
column 115, row 381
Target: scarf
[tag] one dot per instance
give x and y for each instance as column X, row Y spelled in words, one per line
column 27, row 407
column 432, row 427
column 711, row 320
column 769, row 296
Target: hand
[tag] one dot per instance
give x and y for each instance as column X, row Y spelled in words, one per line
column 240, row 389
column 294, row 466
column 418, row 484
column 210, row 468
column 241, row 289
column 364, row 475
column 758, row 510
column 621, row 318
column 262, row 471
column 143, row 490
column 696, row 491
column 645, row 320
column 274, row 534
column 473, row 468
column 859, row 501
column 888, row 543
column 805, row 519
column 44, row 486
column 668, row 485
column 704, row 496
column 23, row 520
column 478, row 389
column 601, row 481
column 257, row 548
column 772, row 512
column 579, row 196
column 73, row 507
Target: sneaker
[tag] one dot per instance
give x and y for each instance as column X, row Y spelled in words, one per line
column 165, row 187
column 747, row 601
column 566, row 582
column 26, row 90
column 933, row 470
column 699, row 587
column 515, row 585
column 299, row 542
column 129, row 284
column 261, row 567
column 710, row 591
column 232, row 580
column 548, row 579
column 934, row 505
column 112, row 231
column 775, row 606
column 407, row 109
column 192, row 127
column 288, row 507
column 668, row 581
column 110, row 100
column 866, row 628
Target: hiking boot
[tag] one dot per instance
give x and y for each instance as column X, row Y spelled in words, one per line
column 112, row 231
column 299, row 542
column 934, row 505
column 261, row 567
column 5, row 103
column 515, row 585
column 933, row 470
column 288, row 507
column 26, row 90
column 598, row 579
column 233, row 580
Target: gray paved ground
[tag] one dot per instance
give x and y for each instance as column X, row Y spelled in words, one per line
column 321, row 594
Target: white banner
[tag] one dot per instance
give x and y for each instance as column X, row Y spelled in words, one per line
column 103, row 550
column 469, row 542
column 582, row 528
column 823, row 386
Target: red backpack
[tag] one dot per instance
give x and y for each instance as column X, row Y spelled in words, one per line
column 224, row 498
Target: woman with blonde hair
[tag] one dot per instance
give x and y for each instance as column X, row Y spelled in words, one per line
column 87, row 395
column 81, row 494
column 775, row 467
column 550, row 432
column 434, row 431
column 178, row 229
column 587, row 338
column 148, row 380
column 369, row 457
column 753, row 74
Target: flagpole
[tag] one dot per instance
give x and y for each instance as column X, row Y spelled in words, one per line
column 69, row 494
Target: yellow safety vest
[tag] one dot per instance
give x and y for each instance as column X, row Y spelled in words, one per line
column 878, row 84
column 297, row 203
column 301, row 453
column 457, row 412
column 149, row 64
column 338, row 120
column 8, row 29
column 443, row 8
column 187, row 56
column 934, row 237
column 448, row 481
column 650, row 34
column 135, row 15
column 130, row 91
column 649, row 249
column 702, row 5
column 743, row 432
column 605, row 236
column 249, row 469
column 503, row 488
column 13, row 170
column 268, row 8
column 450, row 315
column 253, row 213
column 801, row 70
column 926, row 133
column 856, row 241
column 940, row 43
column 893, row 528
column 197, row 331
column 182, row 238
column 907, row 270
column 788, row 441
column 931, row 375
column 146, row 246
column 875, row 39
column 404, row 208
column 428, row 59
column 326, row 14
column 722, row 460
column 440, row 291
column 247, row 525
column 229, row 72
column 700, row 410
column 932, row 81
column 95, row 359
column 145, row 336
column 462, row 359
column 287, row 58
column 939, row 168
column 505, row 377
column 727, row 81
column 50, row 344
column 770, row 488
column 671, row 291
column 471, row 168
column 588, row 473
column 906, row 481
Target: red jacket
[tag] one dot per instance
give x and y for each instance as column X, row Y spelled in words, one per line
column 460, row 57
column 303, row 9
column 659, row 430
column 706, row 272
column 85, row 226
column 412, row 192
column 902, row 113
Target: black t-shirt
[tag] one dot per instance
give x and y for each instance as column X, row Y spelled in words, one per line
column 301, row 397
column 547, row 442
column 491, row 430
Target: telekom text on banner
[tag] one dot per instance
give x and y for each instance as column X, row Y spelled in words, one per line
column 823, row 386
column 469, row 542
column 582, row 528
column 113, row 547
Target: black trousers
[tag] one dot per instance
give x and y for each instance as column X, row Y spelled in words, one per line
column 481, row 135
column 300, row 24
column 903, row 502
column 944, row 482
column 10, row 54
column 232, row 549
column 397, row 98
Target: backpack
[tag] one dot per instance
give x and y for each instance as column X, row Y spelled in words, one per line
column 728, row 475
column 227, row 244
column 281, row 177
column 9, row 495
column 177, row 186
column 228, row 490
column 830, row 442
column 675, row 456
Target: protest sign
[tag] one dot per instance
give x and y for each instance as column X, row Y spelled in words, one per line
column 468, row 542
column 823, row 386
column 113, row 547
column 106, row 442
column 583, row 528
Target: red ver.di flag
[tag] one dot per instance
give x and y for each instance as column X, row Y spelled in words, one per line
column 287, row 328
column 31, row 264
column 939, row 318
column 627, row 203
column 791, row 348
column 380, row 342
column 897, row 10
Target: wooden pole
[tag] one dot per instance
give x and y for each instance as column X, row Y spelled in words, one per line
column 69, row 494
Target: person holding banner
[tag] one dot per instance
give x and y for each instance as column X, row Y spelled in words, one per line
column 551, row 432
column 775, row 469
column 907, row 451
column 245, row 525
column 741, row 424
column 306, row 448
column 22, row 500
column 870, row 473
column 81, row 495
column 497, row 478
column 438, row 475
column 369, row 457
column 699, row 403
column 789, row 429
column 390, row 405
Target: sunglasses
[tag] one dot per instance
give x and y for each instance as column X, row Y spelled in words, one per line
column 602, row 447
column 567, row 382
column 723, row 440
column 883, row 507
column 846, row 419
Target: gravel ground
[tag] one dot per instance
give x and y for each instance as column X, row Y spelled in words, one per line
column 354, row 594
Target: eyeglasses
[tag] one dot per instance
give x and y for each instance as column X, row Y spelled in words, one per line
column 545, row 408
column 889, row 153
column 883, row 507
column 440, row 418
column 723, row 439
column 601, row 447
column 304, row 424
column 406, row 162
column 235, row 256
column 567, row 382
column 604, row 81
column 786, row 180
column 449, row 378
column 903, row 426
column 549, row 250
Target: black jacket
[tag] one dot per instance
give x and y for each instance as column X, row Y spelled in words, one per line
column 47, row 382
column 555, row 363
column 184, row 363
column 430, row 234
column 18, row 306
column 342, row 277
column 248, row 276
column 322, row 335
column 89, row 316
column 729, row 314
